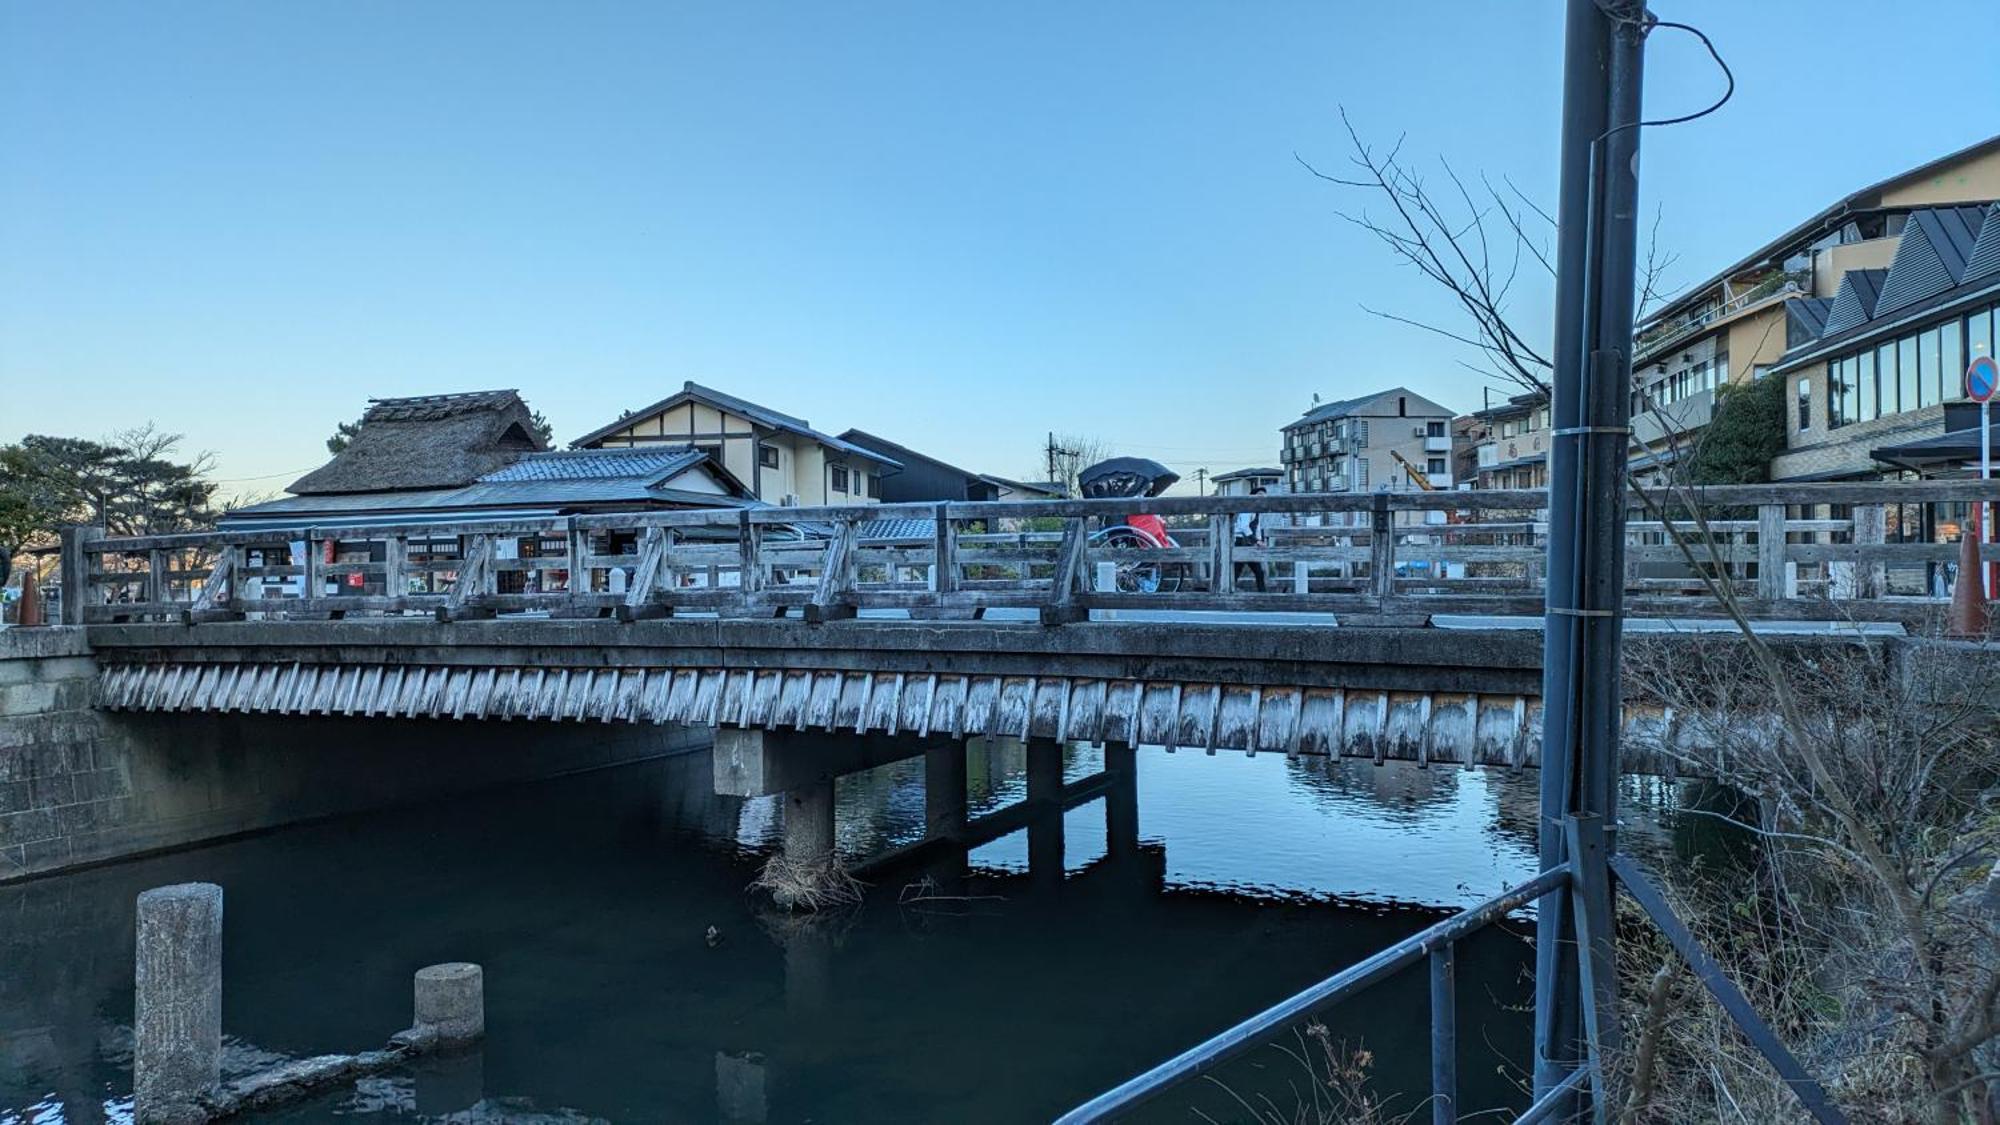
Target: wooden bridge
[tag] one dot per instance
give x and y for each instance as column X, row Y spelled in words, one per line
column 1811, row 552
column 729, row 619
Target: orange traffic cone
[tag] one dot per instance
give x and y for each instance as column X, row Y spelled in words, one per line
column 1968, row 599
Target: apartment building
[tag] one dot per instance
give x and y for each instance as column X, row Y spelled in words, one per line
column 1370, row 444
column 1512, row 446
column 1243, row 482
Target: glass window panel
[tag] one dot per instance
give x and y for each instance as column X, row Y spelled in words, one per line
column 1805, row 404
column 1931, row 347
column 1979, row 334
column 1952, row 362
column 1850, row 389
column 1864, row 386
column 1885, row 378
column 1907, row 397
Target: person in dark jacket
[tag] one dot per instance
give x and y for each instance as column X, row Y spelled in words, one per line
column 1248, row 533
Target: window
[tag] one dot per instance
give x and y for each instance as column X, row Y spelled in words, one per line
column 1885, row 380
column 1435, row 467
column 1951, row 363
column 837, row 477
column 1864, row 386
column 1939, row 381
column 767, row 456
column 1434, row 429
column 1805, row 404
column 1907, row 393
column 1838, row 380
column 1979, row 334
column 874, row 486
column 1510, row 429
column 1361, row 434
column 1361, row 472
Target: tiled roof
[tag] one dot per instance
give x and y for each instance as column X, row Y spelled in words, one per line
column 651, row 463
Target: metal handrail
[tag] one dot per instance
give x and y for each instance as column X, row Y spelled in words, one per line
column 1247, row 1035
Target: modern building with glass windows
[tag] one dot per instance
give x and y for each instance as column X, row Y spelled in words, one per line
column 1762, row 315
column 1876, row 369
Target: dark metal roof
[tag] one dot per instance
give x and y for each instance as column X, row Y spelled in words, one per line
column 1239, row 474
column 1930, row 257
column 1952, row 446
column 1805, row 320
column 761, row 415
column 1984, row 260
column 1045, row 487
column 898, row 454
column 1854, row 303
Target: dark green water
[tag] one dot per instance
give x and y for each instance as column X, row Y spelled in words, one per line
column 587, row 900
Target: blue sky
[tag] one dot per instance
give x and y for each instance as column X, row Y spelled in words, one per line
column 955, row 225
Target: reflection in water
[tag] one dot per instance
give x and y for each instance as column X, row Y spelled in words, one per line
column 988, row 995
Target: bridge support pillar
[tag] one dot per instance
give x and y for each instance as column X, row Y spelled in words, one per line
column 1045, row 827
column 809, row 823
column 944, row 792
column 1121, row 801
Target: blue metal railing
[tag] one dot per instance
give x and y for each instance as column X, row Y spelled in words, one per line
column 1435, row 943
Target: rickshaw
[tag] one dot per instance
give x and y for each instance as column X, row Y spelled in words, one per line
column 1132, row 478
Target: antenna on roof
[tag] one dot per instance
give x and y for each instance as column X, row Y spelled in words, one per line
column 1315, row 398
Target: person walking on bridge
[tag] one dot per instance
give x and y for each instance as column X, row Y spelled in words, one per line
column 1249, row 533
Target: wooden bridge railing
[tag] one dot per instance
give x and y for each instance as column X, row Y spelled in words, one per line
column 1807, row 550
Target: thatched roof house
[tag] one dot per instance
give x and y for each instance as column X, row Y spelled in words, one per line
column 470, row 457
column 432, row 441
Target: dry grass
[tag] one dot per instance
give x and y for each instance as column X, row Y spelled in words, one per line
column 809, row 885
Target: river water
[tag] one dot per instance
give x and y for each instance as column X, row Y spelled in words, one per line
column 1001, row 998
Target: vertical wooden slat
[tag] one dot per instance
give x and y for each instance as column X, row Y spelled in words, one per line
column 1771, row 551
column 1871, row 528
column 945, row 575
column 312, row 585
column 395, row 566
column 1222, row 553
column 1382, row 548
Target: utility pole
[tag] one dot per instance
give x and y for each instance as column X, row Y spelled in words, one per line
column 1200, row 479
column 1590, row 406
column 1057, row 456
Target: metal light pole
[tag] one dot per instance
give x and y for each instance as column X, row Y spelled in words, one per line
column 1596, row 251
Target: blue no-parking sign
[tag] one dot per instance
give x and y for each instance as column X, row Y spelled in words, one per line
column 1982, row 377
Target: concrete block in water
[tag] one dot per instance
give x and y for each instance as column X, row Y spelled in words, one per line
column 451, row 1002
column 177, row 1062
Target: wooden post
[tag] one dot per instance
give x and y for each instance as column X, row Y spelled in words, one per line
column 395, row 566
column 1062, row 606
column 1871, row 526
column 1771, row 552
column 1382, row 549
column 579, row 544
column 311, row 584
column 640, row 597
column 76, row 567
column 156, row 577
column 831, row 599
column 944, row 574
column 475, row 579
column 750, row 556
column 1222, row 553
